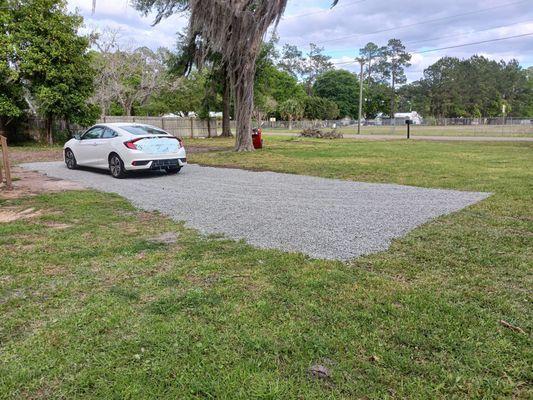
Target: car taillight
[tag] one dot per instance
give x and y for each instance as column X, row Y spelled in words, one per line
column 130, row 144
column 181, row 142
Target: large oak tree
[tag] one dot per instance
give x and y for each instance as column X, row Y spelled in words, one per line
column 235, row 29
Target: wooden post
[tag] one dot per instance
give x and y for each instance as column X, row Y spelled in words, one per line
column 5, row 162
column 162, row 123
column 192, row 128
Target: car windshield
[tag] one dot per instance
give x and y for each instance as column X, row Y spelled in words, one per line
column 143, row 130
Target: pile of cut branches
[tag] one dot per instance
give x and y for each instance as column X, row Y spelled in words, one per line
column 317, row 133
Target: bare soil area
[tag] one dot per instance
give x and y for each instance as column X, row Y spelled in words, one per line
column 10, row 214
column 31, row 183
column 19, row 155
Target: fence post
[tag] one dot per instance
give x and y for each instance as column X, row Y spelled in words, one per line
column 5, row 162
column 192, row 127
column 162, row 123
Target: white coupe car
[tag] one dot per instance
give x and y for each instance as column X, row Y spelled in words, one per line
column 123, row 147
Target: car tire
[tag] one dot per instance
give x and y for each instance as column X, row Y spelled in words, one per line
column 116, row 167
column 70, row 159
column 173, row 170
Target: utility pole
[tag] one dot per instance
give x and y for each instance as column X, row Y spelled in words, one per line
column 361, row 61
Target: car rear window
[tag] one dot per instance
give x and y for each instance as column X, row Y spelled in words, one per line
column 143, row 130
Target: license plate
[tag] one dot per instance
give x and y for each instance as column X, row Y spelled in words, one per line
column 158, row 145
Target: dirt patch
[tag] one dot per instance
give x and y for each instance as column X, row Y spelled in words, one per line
column 164, row 238
column 56, row 225
column 19, row 155
column 203, row 281
column 14, row 214
column 31, row 183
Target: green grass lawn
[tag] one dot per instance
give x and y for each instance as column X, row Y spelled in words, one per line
column 92, row 308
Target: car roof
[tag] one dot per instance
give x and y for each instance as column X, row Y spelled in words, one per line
column 120, row 124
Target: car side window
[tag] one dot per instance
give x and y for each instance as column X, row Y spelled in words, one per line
column 93, row 133
column 109, row 134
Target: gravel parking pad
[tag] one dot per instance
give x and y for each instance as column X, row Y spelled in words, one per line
column 324, row 218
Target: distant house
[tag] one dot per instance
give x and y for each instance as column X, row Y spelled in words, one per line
column 413, row 116
column 215, row 114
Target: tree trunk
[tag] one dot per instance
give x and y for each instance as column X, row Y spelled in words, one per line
column 127, row 107
column 290, row 124
column 309, row 88
column 243, row 82
column 208, row 125
column 369, row 70
column 226, row 105
column 393, row 99
column 49, row 137
column 3, row 131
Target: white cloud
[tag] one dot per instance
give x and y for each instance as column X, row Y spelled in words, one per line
column 349, row 26
column 136, row 29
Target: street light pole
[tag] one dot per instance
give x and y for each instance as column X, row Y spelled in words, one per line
column 362, row 62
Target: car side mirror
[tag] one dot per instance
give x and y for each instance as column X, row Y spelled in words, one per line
column 77, row 136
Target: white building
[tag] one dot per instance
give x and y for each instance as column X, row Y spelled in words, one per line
column 413, row 116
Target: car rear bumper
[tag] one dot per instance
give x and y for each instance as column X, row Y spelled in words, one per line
column 137, row 160
column 157, row 164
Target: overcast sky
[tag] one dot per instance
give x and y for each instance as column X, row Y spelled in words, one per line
column 421, row 24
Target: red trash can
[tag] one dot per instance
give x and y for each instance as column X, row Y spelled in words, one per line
column 256, row 138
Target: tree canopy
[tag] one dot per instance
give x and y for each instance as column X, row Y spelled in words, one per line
column 11, row 90
column 320, row 108
column 56, row 72
column 474, row 87
column 341, row 87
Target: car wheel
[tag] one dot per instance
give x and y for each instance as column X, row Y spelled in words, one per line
column 70, row 160
column 173, row 170
column 116, row 167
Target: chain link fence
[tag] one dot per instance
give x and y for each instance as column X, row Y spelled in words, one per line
column 35, row 128
column 428, row 126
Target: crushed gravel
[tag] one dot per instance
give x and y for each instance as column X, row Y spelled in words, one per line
column 323, row 218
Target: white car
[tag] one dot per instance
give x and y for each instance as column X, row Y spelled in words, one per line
column 123, row 147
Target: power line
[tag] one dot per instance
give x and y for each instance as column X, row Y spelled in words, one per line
column 323, row 10
column 455, row 35
column 473, row 43
column 468, row 33
column 423, row 22
column 455, row 46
